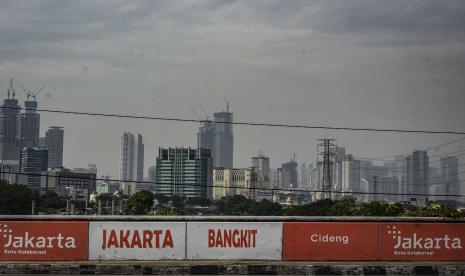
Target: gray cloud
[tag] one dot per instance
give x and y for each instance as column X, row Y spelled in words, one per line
column 360, row 63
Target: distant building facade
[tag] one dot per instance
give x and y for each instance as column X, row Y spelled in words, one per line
column 106, row 187
column 28, row 126
column 290, row 176
column 76, row 185
column 350, row 176
column 132, row 157
column 54, row 138
column 262, row 165
column 230, row 182
column 184, row 172
column 450, row 176
column 418, row 175
column 224, row 140
column 33, row 162
column 9, row 149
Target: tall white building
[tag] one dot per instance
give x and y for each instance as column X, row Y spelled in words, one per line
column 350, row 175
column 54, row 144
column 132, row 157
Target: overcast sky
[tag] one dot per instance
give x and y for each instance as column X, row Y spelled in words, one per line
column 385, row 64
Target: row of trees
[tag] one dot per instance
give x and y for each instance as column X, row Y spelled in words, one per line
column 17, row 199
column 142, row 203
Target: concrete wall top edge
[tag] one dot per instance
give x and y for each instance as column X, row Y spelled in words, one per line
column 227, row 218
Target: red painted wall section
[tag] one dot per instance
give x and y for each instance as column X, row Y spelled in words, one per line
column 324, row 241
column 422, row 241
column 43, row 240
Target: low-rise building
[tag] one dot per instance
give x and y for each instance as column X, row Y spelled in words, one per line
column 77, row 186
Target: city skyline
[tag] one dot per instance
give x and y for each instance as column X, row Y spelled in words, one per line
column 275, row 63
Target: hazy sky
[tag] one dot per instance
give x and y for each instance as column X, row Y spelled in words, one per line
column 387, row 64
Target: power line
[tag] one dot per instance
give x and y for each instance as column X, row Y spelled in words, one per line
column 432, row 156
column 160, row 118
column 230, row 187
column 408, row 153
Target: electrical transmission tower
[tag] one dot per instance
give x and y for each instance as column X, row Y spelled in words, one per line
column 325, row 153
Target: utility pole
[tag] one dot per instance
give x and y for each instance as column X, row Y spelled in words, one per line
column 33, row 207
column 325, row 150
column 375, row 188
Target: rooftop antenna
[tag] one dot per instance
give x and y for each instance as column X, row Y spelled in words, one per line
column 31, row 94
column 226, row 101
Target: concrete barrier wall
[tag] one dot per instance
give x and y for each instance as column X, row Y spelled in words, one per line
column 239, row 240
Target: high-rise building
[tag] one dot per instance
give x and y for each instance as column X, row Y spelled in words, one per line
column 184, row 172
column 230, row 182
column 387, row 187
column 450, row 176
column 350, row 175
column 262, row 165
column 132, row 157
column 28, row 125
column 224, row 140
column 9, row 150
column 54, row 138
column 33, row 162
column 418, row 176
column 151, row 173
column 290, row 176
column 206, row 137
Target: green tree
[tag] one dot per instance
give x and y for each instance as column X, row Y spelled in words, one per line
column 265, row 208
column 374, row 208
column 139, row 203
column 15, row 199
column 199, row 201
column 51, row 200
column 346, row 206
column 318, row 208
column 394, row 210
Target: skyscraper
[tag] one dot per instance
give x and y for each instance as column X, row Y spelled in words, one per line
column 34, row 161
column 206, row 137
column 350, row 174
column 184, row 172
column 224, row 140
column 54, row 138
column 28, row 125
column 417, row 175
column 290, row 175
column 262, row 165
column 450, row 176
column 9, row 150
column 132, row 157
column 151, row 173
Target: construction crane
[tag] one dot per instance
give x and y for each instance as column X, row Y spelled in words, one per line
column 31, row 94
column 11, row 89
column 204, row 112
